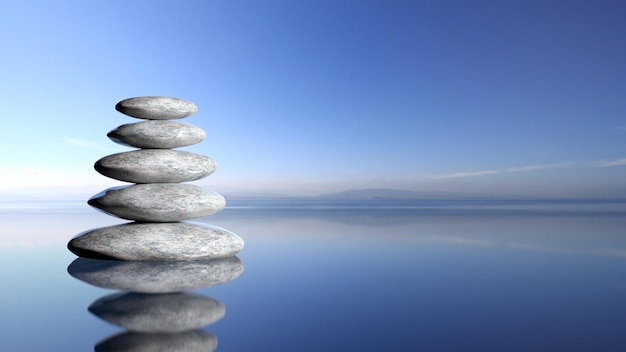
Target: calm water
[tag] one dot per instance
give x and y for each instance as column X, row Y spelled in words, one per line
column 412, row 276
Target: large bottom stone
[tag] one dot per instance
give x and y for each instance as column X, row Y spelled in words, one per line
column 156, row 242
column 156, row 277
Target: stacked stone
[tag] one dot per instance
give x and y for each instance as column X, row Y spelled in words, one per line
column 159, row 201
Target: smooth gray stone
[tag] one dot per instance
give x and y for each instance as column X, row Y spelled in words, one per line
column 158, row 202
column 156, row 108
column 188, row 341
column 155, row 166
column 157, row 134
column 166, row 312
column 156, row 277
column 157, row 242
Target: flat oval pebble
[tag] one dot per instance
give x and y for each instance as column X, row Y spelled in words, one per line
column 166, row 312
column 157, row 242
column 158, row 202
column 156, row 276
column 156, row 166
column 188, row 341
column 156, row 108
column 157, row 134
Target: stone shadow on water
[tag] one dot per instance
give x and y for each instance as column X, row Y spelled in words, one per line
column 152, row 306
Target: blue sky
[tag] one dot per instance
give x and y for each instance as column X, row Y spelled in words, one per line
column 308, row 97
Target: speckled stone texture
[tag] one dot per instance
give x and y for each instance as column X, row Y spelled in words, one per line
column 156, row 277
column 167, row 312
column 188, row 341
column 157, row 134
column 157, row 242
column 156, row 166
column 156, row 108
column 158, row 202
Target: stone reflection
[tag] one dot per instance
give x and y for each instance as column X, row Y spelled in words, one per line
column 156, row 277
column 168, row 312
column 188, row 341
column 152, row 307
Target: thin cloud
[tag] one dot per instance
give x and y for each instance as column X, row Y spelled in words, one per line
column 466, row 241
column 505, row 170
column 618, row 162
column 44, row 181
column 24, row 172
column 463, row 240
column 82, row 143
column 621, row 253
column 466, row 174
column 538, row 167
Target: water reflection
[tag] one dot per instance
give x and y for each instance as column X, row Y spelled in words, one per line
column 167, row 312
column 156, row 277
column 188, row 341
column 152, row 306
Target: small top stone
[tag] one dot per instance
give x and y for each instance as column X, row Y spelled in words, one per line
column 156, row 108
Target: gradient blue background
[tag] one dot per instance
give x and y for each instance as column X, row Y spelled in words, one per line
column 308, row 97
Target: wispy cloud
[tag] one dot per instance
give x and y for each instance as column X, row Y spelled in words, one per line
column 37, row 180
column 538, row 167
column 563, row 249
column 621, row 253
column 25, row 172
column 463, row 240
column 618, row 162
column 504, row 170
column 621, row 129
column 466, row 174
column 82, row 143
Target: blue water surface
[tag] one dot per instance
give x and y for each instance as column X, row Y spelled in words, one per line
column 356, row 276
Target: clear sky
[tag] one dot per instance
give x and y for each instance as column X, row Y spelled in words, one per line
column 307, row 97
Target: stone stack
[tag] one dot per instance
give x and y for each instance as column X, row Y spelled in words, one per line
column 158, row 201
